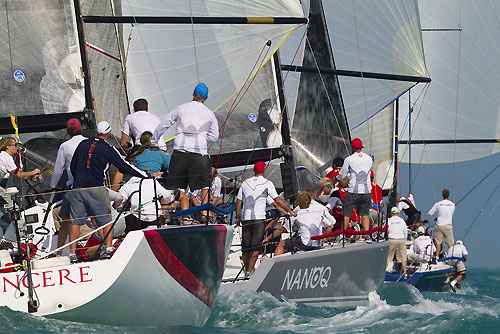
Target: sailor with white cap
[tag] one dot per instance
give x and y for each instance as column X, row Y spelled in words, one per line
column 423, row 247
column 89, row 164
column 397, row 234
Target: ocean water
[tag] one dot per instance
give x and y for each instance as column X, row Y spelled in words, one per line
column 396, row 308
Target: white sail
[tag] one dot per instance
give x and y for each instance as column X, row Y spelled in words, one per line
column 462, row 45
column 381, row 37
column 167, row 60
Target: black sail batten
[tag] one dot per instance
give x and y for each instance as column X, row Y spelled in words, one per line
column 89, row 99
column 193, row 20
column 449, row 141
column 356, row 74
column 241, row 158
column 41, row 123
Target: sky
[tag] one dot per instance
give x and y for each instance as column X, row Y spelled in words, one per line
column 482, row 239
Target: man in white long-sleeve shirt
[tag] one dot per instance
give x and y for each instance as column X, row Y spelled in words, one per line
column 63, row 163
column 196, row 128
column 357, row 167
column 444, row 227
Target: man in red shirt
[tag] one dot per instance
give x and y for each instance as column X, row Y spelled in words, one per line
column 336, row 167
column 376, row 200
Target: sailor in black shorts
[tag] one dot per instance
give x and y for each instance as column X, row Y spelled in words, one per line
column 196, row 128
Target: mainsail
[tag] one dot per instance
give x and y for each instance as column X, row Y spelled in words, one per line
column 166, row 61
column 39, row 58
column 462, row 103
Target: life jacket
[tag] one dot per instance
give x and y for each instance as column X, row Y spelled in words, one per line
column 411, row 212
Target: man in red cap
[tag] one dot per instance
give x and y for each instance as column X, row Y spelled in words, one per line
column 63, row 162
column 357, row 167
column 253, row 194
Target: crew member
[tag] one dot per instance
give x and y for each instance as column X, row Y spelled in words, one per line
column 90, row 162
column 357, row 168
column 63, row 163
column 196, row 128
column 251, row 213
column 458, row 250
column 444, row 224
column 397, row 234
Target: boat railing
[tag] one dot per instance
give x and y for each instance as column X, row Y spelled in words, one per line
column 451, row 258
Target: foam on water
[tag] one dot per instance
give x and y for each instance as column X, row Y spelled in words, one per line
column 397, row 308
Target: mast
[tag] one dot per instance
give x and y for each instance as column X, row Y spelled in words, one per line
column 392, row 200
column 288, row 172
column 410, row 110
column 89, row 99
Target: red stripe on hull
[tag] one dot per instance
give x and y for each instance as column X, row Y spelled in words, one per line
column 176, row 268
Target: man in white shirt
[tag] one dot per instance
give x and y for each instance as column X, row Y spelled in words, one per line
column 138, row 122
column 251, row 213
column 357, row 167
column 148, row 212
column 423, row 247
column 196, row 127
column 444, row 227
column 458, row 250
column 63, row 163
column 312, row 220
column 397, row 234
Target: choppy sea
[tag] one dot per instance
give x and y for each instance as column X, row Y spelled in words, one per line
column 396, row 308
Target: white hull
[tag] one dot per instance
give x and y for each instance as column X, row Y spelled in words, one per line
column 134, row 287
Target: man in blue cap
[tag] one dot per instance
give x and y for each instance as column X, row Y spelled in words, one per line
column 196, row 128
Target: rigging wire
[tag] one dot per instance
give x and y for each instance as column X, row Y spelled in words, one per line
column 457, row 93
column 481, row 210
column 194, row 43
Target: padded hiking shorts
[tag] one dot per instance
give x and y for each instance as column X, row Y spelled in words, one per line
column 187, row 168
column 362, row 203
column 397, row 247
column 92, row 202
column 252, row 234
column 446, row 232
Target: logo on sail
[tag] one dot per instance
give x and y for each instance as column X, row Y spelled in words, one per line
column 308, row 278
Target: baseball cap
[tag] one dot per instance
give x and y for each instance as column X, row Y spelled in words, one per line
column 394, row 209
column 103, row 128
column 259, row 167
column 201, row 89
column 421, row 230
column 73, row 125
column 459, row 242
column 356, row 144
